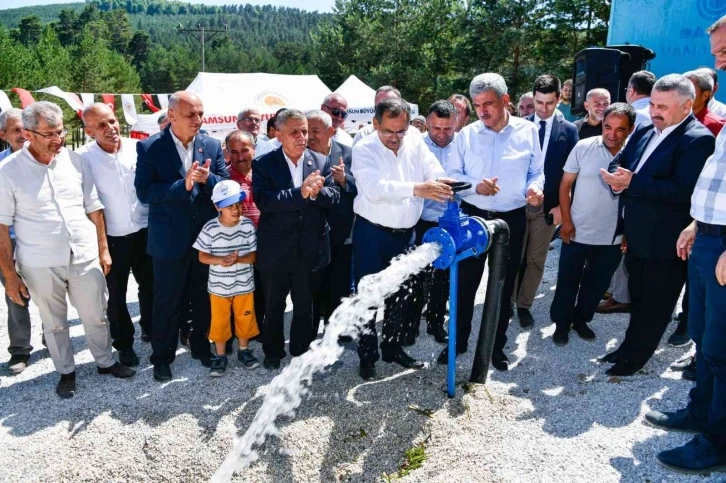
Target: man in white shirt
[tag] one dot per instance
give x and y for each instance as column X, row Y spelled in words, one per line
column 501, row 157
column 50, row 200
column 111, row 162
column 394, row 172
column 336, row 105
column 250, row 120
column 383, row 93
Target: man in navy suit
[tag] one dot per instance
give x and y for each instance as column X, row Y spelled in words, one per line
column 293, row 190
column 655, row 175
column 557, row 137
column 337, row 278
column 175, row 174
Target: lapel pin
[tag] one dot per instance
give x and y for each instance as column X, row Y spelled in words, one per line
column 200, row 150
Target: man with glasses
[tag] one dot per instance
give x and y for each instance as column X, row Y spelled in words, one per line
column 394, row 173
column 336, row 105
column 11, row 131
column 250, row 120
column 48, row 196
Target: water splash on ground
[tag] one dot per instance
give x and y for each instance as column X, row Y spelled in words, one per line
column 285, row 391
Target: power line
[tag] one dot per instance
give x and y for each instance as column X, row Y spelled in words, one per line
column 202, row 38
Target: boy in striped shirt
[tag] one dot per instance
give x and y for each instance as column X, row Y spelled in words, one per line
column 228, row 245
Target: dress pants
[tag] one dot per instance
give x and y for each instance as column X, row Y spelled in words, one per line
column 655, row 286
column 18, row 323
column 128, row 254
column 175, row 278
column 335, row 284
column 301, row 284
column 373, row 250
column 537, row 239
column 431, row 289
column 583, row 275
column 86, row 288
column 707, row 327
column 619, row 284
column 470, row 276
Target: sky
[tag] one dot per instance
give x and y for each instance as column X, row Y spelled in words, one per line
column 319, row 5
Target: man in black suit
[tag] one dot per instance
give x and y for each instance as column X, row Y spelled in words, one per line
column 293, row 190
column 175, row 174
column 557, row 137
column 337, row 278
column 655, row 175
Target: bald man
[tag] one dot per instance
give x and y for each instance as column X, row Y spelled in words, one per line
column 176, row 172
column 111, row 160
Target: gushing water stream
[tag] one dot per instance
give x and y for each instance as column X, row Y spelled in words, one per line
column 285, row 391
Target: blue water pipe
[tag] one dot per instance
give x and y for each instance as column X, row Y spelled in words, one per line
column 460, row 237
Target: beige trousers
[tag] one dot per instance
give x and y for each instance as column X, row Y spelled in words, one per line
column 537, row 238
column 86, row 288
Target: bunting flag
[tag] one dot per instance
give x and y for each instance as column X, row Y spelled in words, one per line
column 87, row 99
column 163, row 100
column 25, row 98
column 149, row 102
column 127, row 101
column 108, row 100
column 69, row 97
column 4, row 102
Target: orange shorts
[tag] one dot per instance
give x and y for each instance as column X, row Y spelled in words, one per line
column 243, row 308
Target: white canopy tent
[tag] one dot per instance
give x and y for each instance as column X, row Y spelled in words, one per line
column 360, row 99
column 225, row 95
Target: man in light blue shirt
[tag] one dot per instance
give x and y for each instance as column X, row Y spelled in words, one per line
column 11, row 131
column 432, row 286
column 500, row 156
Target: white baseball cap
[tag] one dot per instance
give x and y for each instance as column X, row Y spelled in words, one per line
column 227, row 193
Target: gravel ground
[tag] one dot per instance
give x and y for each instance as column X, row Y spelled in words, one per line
column 554, row 417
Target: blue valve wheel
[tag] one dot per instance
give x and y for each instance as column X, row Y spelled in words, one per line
column 448, row 248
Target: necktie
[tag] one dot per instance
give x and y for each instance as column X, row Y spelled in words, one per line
column 542, row 129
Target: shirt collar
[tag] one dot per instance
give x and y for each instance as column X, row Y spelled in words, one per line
column 179, row 143
column 30, row 156
column 548, row 121
column 670, row 129
column 483, row 127
column 289, row 161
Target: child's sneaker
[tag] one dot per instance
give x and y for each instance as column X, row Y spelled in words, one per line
column 247, row 358
column 219, row 365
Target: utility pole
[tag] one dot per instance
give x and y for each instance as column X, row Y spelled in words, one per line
column 201, row 38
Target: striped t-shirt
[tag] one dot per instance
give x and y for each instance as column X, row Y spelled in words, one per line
column 219, row 240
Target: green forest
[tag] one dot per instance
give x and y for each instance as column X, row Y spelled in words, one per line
column 427, row 48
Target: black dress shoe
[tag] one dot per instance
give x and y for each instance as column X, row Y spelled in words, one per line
column 500, row 361
column 271, row 363
column 128, row 358
column 345, row 339
column 402, row 359
column 206, row 358
column 408, row 341
column 145, row 337
column 680, row 420
column 583, row 330
column 443, row 358
column 184, row 338
column 689, row 374
column 526, row 320
column 162, row 372
column 622, row 368
column 611, row 357
column 66, row 387
column 439, row 333
column 367, row 371
column 561, row 335
column 117, row 370
column 679, row 337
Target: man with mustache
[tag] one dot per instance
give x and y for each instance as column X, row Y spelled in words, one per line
column 48, row 196
column 175, row 175
column 596, row 101
column 111, row 161
column 11, row 131
column 655, row 175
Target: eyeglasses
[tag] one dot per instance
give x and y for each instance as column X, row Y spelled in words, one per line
column 334, row 111
column 388, row 134
column 51, row 135
column 251, row 120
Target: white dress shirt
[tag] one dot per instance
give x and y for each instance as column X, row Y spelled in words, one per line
column 113, row 175
column 48, row 207
column 185, row 154
column 433, row 210
column 657, row 137
column 343, row 137
column 385, row 180
column 263, row 147
column 548, row 130
column 512, row 155
column 296, row 171
column 642, row 111
column 717, row 107
column 363, row 132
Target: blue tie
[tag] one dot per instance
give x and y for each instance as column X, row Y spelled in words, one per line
column 542, row 129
